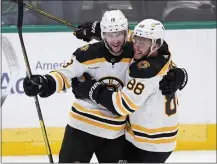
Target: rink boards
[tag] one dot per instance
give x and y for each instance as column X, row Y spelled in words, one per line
column 30, row 141
column 194, row 50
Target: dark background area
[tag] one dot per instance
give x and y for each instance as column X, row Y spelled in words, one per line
column 77, row 12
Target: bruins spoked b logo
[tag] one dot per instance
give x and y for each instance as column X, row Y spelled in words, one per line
column 112, row 83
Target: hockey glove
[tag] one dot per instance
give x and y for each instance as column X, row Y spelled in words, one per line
column 75, row 83
column 175, row 79
column 37, row 84
column 88, row 89
column 88, row 31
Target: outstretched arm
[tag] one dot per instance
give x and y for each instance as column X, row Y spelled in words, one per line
column 91, row 30
column 55, row 81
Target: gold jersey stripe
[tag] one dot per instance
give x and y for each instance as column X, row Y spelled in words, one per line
column 126, row 60
column 96, row 123
column 59, row 80
column 97, row 113
column 152, row 141
column 164, row 70
column 64, row 79
column 129, row 102
column 120, row 105
column 157, row 130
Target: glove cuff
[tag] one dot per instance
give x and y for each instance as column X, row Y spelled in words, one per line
column 185, row 79
column 96, row 30
column 49, row 86
column 95, row 90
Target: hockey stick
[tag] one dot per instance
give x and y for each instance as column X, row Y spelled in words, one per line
column 19, row 27
column 43, row 13
column 13, row 65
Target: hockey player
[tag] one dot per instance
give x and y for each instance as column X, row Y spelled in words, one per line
column 169, row 84
column 153, row 123
column 91, row 128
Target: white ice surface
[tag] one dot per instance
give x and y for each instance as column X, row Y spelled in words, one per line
column 176, row 157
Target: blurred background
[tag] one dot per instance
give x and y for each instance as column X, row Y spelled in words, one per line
column 77, row 12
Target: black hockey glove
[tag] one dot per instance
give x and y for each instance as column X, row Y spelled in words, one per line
column 37, row 84
column 175, row 79
column 88, row 89
column 75, row 83
column 88, row 31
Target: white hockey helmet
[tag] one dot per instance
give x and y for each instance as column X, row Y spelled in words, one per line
column 151, row 29
column 113, row 21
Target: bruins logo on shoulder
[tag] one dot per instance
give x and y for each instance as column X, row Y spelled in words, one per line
column 84, row 48
column 143, row 64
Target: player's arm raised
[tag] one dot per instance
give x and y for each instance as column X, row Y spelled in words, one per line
column 88, row 31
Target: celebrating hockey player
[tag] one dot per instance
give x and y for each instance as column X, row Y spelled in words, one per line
column 153, row 123
column 91, row 128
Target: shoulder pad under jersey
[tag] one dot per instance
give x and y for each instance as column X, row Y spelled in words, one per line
column 89, row 52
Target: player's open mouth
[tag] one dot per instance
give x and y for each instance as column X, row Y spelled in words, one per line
column 137, row 52
column 117, row 45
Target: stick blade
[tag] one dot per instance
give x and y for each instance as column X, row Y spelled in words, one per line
column 13, row 65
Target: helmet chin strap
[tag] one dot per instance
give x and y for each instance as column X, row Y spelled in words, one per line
column 151, row 50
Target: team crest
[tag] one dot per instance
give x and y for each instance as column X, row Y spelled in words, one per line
column 84, row 48
column 112, row 83
column 143, row 64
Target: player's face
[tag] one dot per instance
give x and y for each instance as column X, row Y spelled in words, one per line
column 141, row 47
column 115, row 40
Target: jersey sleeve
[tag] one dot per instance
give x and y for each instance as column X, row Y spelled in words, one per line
column 144, row 77
column 69, row 70
column 133, row 95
